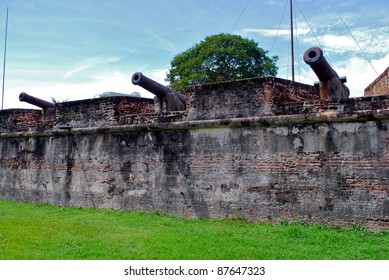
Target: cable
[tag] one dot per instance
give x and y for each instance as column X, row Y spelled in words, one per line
column 241, row 13
column 287, row 62
column 311, row 29
column 279, row 26
column 297, row 47
column 355, row 40
column 5, row 56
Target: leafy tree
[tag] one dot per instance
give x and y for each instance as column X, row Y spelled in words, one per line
column 218, row 58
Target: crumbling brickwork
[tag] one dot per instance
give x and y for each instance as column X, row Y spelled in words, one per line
column 245, row 98
column 379, row 86
column 18, row 120
column 102, row 112
column 315, row 161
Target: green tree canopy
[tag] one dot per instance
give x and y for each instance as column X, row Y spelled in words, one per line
column 218, row 58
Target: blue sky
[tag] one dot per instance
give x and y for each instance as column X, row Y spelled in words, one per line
column 76, row 49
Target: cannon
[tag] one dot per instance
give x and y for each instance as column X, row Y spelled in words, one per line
column 165, row 99
column 48, row 108
column 24, row 97
column 331, row 86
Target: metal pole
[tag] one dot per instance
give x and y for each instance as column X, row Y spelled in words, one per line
column 291, row 37
column 5, row 56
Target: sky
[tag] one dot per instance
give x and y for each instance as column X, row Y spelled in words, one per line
column 76, row 49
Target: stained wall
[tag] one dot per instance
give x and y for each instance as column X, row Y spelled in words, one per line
column 307, row 160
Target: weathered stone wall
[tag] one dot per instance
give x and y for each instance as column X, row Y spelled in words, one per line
column 18, row 120
column 100, row 112
column 317, row 161
column 379, row 86
column 245, row 98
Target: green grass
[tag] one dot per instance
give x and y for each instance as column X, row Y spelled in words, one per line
column 31, row 232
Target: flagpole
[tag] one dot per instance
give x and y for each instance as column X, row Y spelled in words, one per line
column 5, row 56
column 291, row 37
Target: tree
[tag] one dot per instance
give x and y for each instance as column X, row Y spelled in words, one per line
column 218, row 58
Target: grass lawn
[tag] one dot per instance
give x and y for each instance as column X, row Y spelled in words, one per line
column 44, row 232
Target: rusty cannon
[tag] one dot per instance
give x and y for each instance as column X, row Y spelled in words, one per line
column 49, row 109
column 166, row 99
column 24, row 97
column 331, row 86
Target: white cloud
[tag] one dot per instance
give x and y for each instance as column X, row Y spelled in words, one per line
column 337, row 43
column 369, row 29
column 371, row 40
column 360, row 74
column 159, row 76
column 164, row 43
column 76, row 70
column 88, row 63
column 275, row 2
column 358, row 71
column 69, row 91
column 273, row 32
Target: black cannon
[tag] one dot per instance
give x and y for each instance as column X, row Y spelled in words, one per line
column 330, row 85
column 24, row 97
column 167, row 99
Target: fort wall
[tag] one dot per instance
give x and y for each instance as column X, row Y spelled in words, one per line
column 261, row 149
column 379, row 86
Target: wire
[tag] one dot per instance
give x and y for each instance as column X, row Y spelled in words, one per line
column 287, row 61
column 279, row 27
column 311, row 29
column 297, row 47
column 241, row 13
column 355, row 40
column 5, row 56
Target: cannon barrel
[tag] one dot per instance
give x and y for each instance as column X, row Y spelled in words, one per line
column 314, row 57
column 155, row 88
column 24, row 97
column 330, row 85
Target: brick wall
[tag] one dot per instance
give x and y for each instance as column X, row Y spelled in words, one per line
column 245, row 98
column 102, row 111
column 316, row 161
column 379, row 86
column 98, row 112
column 19, row 120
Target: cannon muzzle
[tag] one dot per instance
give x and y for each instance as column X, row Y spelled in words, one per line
column 24, row 97
column 331, row 86
column 314, row 57
column 173, row 100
